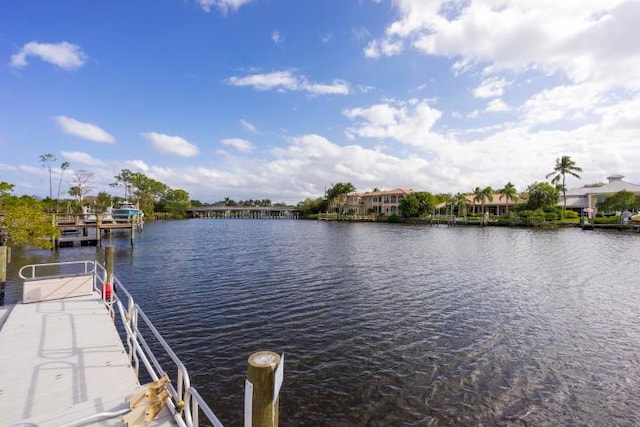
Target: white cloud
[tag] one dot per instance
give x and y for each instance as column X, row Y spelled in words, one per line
column 338, row 87
column 277, row 37
column 64, row 55
column 326, row 38
column 385, row 47
column 239, row 144
column 223, row 5
column 83, row 130
column 137, row 164
column 562, row 102
column 281, row 80
column 409, row 122
column 581, row 39
column 82, row 158
column 248, row 126
column 288, row 81
column 496, row 105
column 490, row 88
column 171, row 144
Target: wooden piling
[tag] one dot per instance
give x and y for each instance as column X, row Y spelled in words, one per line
column 261, row 373
column 109, row 259
column 5, row 254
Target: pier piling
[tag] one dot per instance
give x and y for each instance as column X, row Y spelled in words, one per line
column 265, row 404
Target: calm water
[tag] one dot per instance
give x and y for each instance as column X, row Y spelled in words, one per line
column 397, row 325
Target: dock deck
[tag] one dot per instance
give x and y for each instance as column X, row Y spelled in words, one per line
column 62, row 361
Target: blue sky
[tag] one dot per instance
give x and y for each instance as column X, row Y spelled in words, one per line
column 281, row 98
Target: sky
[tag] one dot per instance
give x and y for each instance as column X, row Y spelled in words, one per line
column 280, row 99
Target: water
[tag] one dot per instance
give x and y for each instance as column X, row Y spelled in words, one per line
column 384, row 324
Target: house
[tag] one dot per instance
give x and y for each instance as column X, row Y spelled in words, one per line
column 497, row 204
column 579, row 199
column 374, row 202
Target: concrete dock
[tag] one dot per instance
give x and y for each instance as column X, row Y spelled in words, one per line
column 62, row 361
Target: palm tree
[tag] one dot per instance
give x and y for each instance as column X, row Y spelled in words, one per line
column 47, row 162
column 482, row 195
column 564, row 166
column 487, row 195
column 510, row 194
column 460, row 199
column 63, row 167
column 478, row 197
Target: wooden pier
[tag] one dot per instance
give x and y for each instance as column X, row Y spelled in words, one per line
column 76, row 230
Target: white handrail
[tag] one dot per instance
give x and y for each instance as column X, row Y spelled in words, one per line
column 184, row 402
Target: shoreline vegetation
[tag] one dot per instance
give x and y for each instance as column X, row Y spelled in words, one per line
column 28, row 219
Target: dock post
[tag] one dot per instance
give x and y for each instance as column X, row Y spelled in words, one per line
column 109, row 261
column 133, row 229
column 5, row 255
column 265, row 404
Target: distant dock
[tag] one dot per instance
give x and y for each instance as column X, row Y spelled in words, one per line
column 77, row 230
column 244, row 212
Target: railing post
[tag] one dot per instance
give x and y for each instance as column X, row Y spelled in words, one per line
column 262, row 375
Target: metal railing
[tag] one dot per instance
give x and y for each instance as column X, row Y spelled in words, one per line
column 57, row 269
column 184, row 402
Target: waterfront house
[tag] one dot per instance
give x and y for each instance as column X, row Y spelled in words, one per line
column 497, row 204
column 579, row 199
column 379, row 202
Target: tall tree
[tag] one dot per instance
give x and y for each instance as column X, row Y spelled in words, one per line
column 541, row 195
column 417, row 204
column 564, row 166
column 336, row 194
column 47, row 161
column 482, row 195
column 460, row 200
column 82, row 184
column 63, row 167
column 509, row 193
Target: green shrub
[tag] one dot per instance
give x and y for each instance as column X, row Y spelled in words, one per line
column 607, row 220
column 550, row 216
column 393, row 218
column 571, row 215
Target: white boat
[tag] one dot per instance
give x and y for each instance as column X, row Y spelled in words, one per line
column 88, row 215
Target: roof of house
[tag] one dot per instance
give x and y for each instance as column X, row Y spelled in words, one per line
column 397, row 191
column 614, row 185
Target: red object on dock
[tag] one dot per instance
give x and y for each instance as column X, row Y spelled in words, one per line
column 106, row 290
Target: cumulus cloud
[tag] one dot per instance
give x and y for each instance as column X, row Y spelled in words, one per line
column 83, row 130
column 289, row 81
column 239, row 144
column 137, row 165
column 490, row 88
column 223, row 5
column 410, row 122
column 171, row 144
column 64, row 55
column 583, row 40
column 82, row 158
column 496, row 105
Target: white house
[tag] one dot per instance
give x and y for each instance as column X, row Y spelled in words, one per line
column 582, row 198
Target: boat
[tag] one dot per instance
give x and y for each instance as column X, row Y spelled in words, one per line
column 127, row 211
column 88, row 215
column 77, row 350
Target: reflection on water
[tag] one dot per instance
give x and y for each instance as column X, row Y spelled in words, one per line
column 397, row 325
